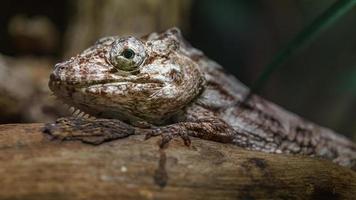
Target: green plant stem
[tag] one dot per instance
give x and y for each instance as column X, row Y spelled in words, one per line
column 338, row 9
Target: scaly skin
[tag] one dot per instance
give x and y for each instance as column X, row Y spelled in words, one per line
column 159, row 85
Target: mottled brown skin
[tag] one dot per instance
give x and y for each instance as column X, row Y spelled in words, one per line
column 160, row 85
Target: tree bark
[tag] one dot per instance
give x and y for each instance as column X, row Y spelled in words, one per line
column 34, row 167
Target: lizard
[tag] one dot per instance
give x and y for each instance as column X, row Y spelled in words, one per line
column 160, row 85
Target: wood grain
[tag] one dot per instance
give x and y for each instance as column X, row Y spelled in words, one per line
column 33, row 167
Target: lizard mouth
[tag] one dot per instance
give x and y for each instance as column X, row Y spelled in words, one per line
column 55, row 82
column 82, row 97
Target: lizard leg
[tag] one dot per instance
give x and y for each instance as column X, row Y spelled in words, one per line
column 93, row 131
column 209, row 129
column 97, row 131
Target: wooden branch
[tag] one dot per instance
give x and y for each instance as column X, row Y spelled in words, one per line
column 33, row 167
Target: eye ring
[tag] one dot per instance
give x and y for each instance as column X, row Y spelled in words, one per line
column 127, row 54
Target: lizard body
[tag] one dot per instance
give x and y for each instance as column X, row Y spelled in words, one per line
column 161, row 85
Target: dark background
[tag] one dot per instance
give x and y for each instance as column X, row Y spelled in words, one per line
column 318, row 83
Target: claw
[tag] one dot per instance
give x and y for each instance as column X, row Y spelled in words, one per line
column 167, row 134
column 186, row 140
column 87, row 130
column 152, row 133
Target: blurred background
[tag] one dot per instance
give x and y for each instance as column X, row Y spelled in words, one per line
column 318, row 83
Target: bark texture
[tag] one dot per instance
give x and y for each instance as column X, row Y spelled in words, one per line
column 33, row 167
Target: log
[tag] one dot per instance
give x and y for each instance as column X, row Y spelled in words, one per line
column 35, row 167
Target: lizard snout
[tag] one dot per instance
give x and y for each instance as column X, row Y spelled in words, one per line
column 54, row 77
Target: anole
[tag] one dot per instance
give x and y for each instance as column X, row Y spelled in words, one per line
column 160, row 85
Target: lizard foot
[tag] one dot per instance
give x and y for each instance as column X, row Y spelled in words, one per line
column 92, row 131
column 167, row 133
column 209, row 129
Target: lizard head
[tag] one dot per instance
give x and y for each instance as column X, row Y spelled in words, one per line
column 148, row 79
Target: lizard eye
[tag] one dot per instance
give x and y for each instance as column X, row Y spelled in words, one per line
column 127, row 54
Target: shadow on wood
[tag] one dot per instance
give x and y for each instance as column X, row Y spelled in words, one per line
column 32, row 167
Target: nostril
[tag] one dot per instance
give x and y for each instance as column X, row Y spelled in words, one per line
column 59, row 67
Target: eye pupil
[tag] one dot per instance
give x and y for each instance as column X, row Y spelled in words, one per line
column 128, row 54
